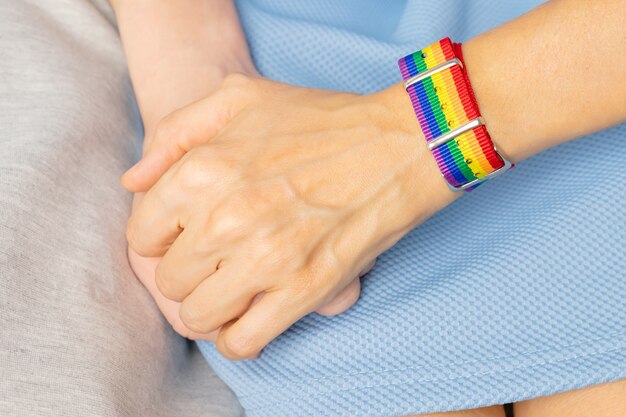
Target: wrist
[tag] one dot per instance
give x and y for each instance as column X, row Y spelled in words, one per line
column 495, row 96
column 423, row 191
column 181, row 89
column 179, row 52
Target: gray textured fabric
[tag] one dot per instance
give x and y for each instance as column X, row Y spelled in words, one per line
column 79, row 334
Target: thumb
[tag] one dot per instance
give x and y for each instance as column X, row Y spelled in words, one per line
column 181, row 131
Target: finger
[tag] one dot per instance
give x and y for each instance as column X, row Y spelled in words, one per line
column 155, row 222
column 342, row 301
column 170, row 310
column 348, row 296
column 144, row 269
column 262, row 323
column 219, row 299
column 368, row 267
column 185, row 129
column 185, row 265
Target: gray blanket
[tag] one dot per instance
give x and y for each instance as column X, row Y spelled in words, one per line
column 79, row 336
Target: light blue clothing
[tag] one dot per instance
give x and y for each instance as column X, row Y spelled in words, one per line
column 516, row 290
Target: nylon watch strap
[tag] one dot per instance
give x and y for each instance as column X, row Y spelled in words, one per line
column 448, row 115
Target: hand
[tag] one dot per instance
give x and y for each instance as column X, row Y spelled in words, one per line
column 145, row 270
column 280, row 195
column 194, row 52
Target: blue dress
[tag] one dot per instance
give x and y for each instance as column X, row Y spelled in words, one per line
column 516, row 290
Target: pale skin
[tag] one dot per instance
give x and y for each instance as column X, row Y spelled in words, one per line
column 271, row 200
column 177, row 53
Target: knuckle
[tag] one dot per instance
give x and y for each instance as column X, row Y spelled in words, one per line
column 192, row 315
column 166, row 282
column 239, row 345
column 195, row 161
column 181, row 329
column 193, row 171
column 133, row 237
column 184, row 331
column 229, row 218
column 203, row 166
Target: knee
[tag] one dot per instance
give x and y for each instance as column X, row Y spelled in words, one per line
column 493, row 411
column 606, row 400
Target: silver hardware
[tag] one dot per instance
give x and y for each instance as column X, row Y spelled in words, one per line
column 507, row 165
column 437, row 68
column 447, row 137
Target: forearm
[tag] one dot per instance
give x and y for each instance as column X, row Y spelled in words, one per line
column 178, row 52
column 554, row 74
column 310, row 193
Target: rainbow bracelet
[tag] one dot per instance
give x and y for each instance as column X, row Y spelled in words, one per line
column 448, row 115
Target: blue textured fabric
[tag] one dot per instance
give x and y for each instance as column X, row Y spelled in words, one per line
column 514, row 291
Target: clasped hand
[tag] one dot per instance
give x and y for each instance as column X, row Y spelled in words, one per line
column 266, row 200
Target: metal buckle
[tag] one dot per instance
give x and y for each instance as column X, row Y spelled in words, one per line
column 446, row 137
column 437, row 68
column 507, row 165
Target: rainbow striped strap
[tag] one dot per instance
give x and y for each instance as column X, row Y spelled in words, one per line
column 448, row 115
